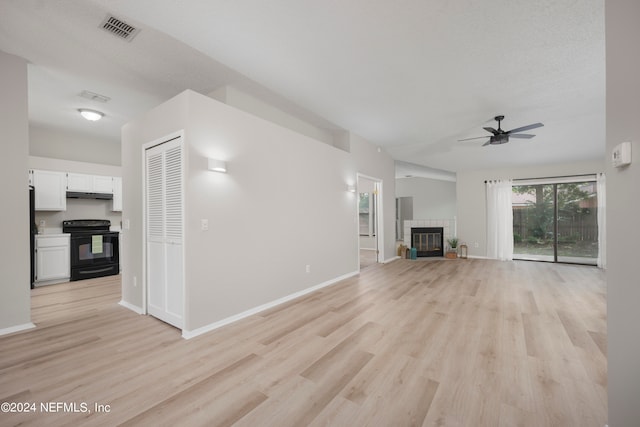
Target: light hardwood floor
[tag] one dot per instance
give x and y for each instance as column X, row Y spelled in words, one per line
column 410, row 343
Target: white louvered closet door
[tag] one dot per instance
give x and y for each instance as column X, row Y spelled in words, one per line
column 164, row 232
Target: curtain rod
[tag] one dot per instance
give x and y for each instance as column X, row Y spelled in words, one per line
column 550, row 177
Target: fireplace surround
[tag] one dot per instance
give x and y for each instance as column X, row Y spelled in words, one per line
column 448, row 225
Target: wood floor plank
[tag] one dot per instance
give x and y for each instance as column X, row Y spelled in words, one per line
column 429, row 342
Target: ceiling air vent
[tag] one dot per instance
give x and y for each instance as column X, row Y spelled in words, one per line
column 94, row 96
column 119, row 28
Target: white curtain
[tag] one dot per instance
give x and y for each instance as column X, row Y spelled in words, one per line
column 602, row 220
column 499, row 220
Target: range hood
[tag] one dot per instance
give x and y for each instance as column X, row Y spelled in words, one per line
column 83, row 195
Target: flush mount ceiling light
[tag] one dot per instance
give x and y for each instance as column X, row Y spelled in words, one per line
column 91, row 115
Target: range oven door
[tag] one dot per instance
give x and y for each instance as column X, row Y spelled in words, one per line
column 94, row 255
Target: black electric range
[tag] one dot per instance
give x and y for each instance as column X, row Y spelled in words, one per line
column 95, row 250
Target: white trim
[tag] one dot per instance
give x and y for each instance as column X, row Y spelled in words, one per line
column 131, row 307
column 387, row 261
column 557, row 180
column 210, row 327
column 478, row 257
column 17, row 328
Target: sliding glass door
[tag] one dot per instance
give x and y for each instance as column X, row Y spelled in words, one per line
column 556, row 222
column 577, row 223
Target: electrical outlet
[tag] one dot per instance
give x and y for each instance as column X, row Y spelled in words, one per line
column 308, row 268
column 204, row 224
column 42, row 223
column 135, row 281
column 476, row 245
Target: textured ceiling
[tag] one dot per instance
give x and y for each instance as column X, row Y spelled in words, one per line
column 412, row 76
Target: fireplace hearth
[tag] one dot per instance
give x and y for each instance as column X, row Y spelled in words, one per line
column 428, row 241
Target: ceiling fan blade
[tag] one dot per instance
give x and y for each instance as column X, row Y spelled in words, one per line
column 486, row 143
column 492, row 130
column 523, row 128
column 521, row 135
column 477, row 137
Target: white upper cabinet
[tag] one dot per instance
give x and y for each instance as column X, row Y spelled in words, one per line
column 50, row 190
column 89, row 183
column 117, row 194
column 102, row 184
column 79, row 182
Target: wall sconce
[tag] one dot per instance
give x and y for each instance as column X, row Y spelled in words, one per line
column 91, row 115
column 351, row 188
column 217, row 165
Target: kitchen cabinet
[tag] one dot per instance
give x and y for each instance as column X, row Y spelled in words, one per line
column 102, row 184
column 52, row 258
column 84, row 183
column 117, row 194
column 79, row 182
column 50, row 190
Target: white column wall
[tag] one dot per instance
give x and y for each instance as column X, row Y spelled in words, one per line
column 282, row 206
column 15, row 303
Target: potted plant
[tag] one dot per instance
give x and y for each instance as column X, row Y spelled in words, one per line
column 453, row 248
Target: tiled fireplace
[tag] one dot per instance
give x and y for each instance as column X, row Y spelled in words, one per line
column 428, row 236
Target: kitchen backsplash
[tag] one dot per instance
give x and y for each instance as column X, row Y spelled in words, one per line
column 78, row 209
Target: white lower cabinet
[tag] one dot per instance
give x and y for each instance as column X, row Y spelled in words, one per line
column 52, row 258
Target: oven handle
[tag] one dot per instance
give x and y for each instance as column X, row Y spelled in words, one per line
column 99, row 270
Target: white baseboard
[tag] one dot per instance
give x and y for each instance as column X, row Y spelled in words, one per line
column 478, row 257
column 212, row 326
column 131, row 307
column 17, row 328
column 387, row 261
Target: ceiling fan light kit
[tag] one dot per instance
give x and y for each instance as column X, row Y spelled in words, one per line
column 500, row 136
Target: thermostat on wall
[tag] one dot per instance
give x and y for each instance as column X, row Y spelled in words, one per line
column 621, row 155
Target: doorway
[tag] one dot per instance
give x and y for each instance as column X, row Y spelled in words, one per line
column 404, row 212
column 369, row 221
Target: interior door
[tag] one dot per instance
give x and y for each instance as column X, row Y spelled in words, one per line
column 164, row 232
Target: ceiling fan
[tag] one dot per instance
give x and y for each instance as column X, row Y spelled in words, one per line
column 500, row 136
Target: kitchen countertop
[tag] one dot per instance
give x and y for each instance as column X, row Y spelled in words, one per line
column 51, row 232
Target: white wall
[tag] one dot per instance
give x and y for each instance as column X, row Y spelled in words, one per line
column 59, row 144
column 15, row 304
column 471, row 196
column 62, row 165
column 623, row 213
column 245, row 102
column 432, row 198
column 282, row 205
